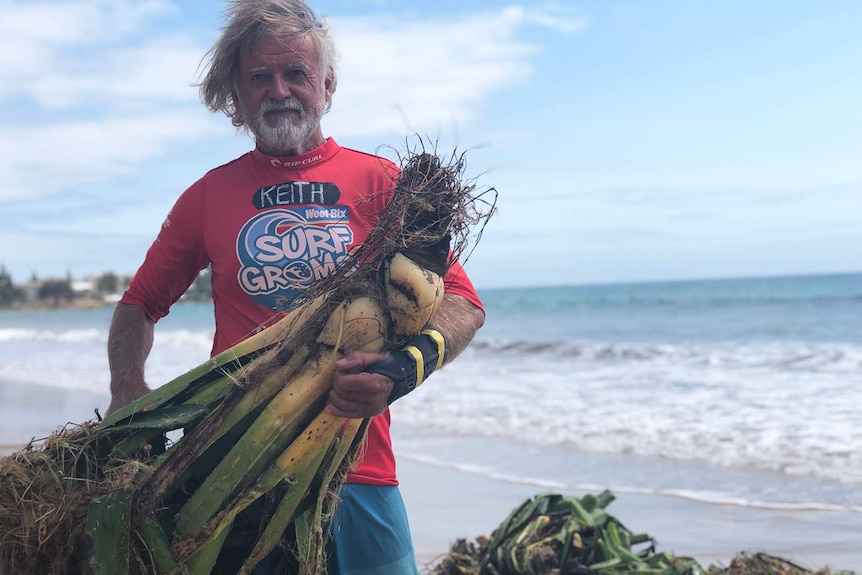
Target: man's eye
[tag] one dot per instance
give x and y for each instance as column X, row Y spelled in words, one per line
column 295, row 74
column 257, row 78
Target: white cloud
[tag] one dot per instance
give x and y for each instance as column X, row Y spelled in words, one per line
column 554, row 16
column 38, row 38
column 79, row 21
column 399, row 75
column 51, row 159
column 86, row 53
column 163, row 69
column 84, row 100
column 107, row 92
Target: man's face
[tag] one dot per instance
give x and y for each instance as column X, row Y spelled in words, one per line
column 282, row 94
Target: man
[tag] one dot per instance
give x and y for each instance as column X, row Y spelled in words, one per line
column 272, row 71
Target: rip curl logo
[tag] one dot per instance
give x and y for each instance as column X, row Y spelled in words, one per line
column 295, row 163
column 282, row 252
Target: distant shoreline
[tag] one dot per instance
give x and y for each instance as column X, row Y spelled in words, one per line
column 77, row 304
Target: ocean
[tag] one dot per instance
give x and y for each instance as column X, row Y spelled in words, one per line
column 732, row 392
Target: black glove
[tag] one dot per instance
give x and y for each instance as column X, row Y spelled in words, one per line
column 412, row 364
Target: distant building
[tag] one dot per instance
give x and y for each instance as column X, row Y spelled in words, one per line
column 83, row 289
column 30, row 290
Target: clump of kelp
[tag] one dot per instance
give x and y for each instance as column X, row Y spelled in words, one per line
column 552, row 534
column 46, row 491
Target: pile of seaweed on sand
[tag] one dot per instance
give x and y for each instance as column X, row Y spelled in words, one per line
column 552, row 534
column 109, row 497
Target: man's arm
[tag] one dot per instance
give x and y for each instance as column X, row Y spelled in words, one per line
column 458, row 320
column 130, row 340
column 356, row 393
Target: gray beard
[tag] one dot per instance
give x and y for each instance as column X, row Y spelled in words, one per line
column 285, row 138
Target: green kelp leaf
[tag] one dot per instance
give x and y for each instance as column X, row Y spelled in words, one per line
column 107, row 533
column 163, row 419
column 158, row 544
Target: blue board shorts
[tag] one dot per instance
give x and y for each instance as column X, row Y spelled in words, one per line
column 370, row 533
column 369, row 536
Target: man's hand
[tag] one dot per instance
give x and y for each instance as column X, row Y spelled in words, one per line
column 356, row 393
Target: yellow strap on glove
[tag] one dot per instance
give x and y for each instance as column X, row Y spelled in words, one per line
column 412, row 364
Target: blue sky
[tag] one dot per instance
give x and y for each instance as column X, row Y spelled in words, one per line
column 628, row 140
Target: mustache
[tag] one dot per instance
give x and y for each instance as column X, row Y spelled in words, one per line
column 270, row 105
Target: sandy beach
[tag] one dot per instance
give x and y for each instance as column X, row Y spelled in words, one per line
column 445, row 505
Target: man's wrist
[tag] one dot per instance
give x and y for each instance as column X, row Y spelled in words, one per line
column 413, row 363
column 127, row 392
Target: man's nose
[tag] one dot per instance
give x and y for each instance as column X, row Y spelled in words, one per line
column 280, row 88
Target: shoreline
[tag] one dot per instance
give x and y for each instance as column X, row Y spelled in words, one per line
column 82, row 304
column 51, row 306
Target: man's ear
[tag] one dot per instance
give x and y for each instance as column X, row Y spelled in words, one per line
column 238, row 116
column 329, row 86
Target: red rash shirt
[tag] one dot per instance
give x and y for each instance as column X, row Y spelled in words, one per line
column 271, row 227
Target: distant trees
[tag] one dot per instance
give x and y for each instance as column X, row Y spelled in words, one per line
column 107, row 283
column 57, row 291
column 93, row 290
column 9, row 294
column 202, row 288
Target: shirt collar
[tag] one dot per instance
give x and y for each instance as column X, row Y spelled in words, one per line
column 316, row 156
